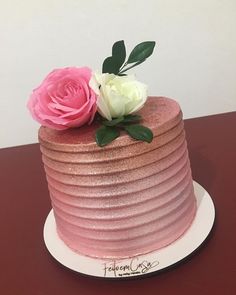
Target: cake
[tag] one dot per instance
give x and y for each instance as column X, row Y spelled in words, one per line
column 128, row 198
column 116, row 161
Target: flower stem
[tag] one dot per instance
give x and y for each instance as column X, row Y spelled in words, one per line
column 122, row 67
column 133, row 65
column 124, row 70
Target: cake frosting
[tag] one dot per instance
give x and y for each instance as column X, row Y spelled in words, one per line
column 127, row 198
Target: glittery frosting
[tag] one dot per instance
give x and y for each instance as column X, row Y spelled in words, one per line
column 127, row 198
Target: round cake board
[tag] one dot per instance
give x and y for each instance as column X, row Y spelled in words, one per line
column 139, row 265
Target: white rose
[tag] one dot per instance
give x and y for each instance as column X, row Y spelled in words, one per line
column 118, row 95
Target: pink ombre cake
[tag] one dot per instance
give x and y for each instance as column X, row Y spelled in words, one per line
column 127, row 198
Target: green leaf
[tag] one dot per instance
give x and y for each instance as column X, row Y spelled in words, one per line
column 131, row 118
column 113, row 122
column 119, row 52
column 113, row 63
column 105, row 135
column 139, row 132
column 141, row 51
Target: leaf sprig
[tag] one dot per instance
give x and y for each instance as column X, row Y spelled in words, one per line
column 110, row 130
column 115, row 64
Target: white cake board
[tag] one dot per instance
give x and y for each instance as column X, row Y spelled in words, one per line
column 139, row 265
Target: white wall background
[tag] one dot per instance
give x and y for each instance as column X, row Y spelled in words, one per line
column 194, row 61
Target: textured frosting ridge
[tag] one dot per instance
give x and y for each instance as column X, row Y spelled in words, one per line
column 125, row 199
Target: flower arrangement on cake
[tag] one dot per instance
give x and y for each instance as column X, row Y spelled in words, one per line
column 71, row 97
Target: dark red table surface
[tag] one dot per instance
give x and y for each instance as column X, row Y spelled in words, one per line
column 27, row 268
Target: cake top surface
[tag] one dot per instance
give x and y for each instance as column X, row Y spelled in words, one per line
column 159, row 114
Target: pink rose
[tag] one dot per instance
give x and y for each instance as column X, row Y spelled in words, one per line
column 64, row 99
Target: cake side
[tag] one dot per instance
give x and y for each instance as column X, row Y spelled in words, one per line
column 125, row 199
